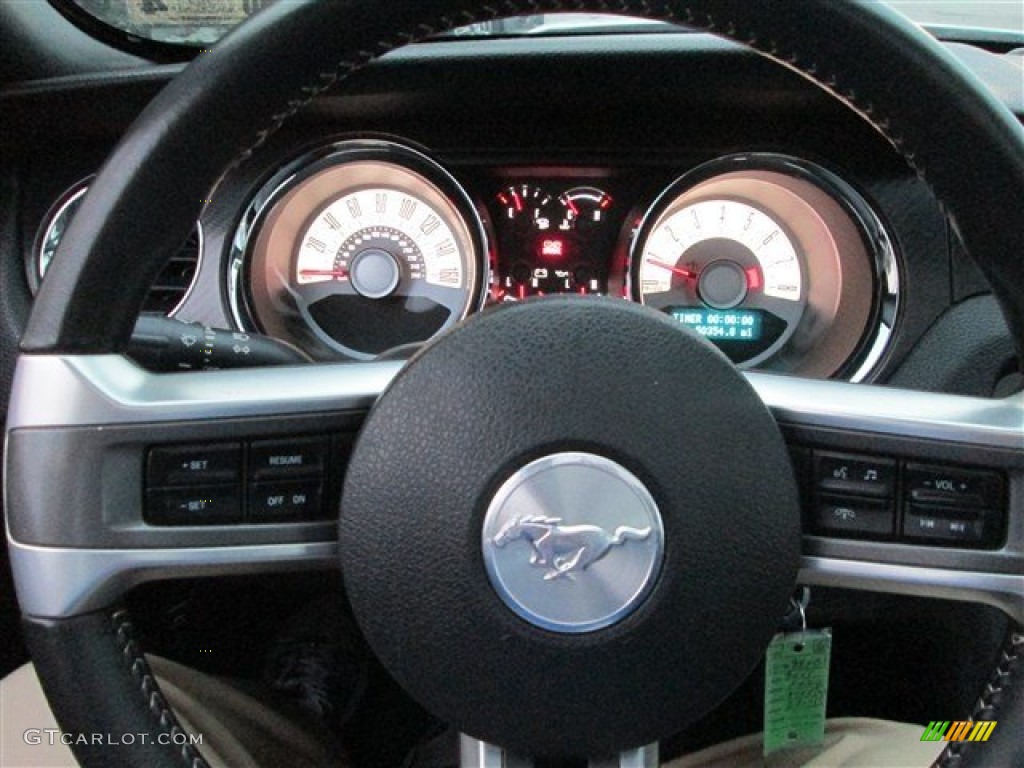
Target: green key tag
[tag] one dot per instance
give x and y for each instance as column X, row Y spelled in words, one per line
column 796, row 689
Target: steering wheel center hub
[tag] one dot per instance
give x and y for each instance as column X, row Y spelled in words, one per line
column 573, row 542
column 562, row 504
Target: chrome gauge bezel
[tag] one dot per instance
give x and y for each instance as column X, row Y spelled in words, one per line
column 62, row 210
column 329, row 157
column 864, row 248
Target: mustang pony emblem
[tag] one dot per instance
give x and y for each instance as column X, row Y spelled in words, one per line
column 563, row 549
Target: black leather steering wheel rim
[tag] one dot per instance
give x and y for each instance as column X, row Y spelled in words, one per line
column 907, row 86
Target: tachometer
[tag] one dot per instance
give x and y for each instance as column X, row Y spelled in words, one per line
column 729, row 271
column 777, row 261
column 368, row 248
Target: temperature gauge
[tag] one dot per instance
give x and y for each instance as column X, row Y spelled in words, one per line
column 527, row 207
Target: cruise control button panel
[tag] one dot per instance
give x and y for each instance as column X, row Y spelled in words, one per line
column 259, row 481
column 889, row 498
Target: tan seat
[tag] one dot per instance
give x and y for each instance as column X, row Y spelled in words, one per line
column 239, row 730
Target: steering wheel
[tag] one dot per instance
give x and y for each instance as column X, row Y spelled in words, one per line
column 436, row 491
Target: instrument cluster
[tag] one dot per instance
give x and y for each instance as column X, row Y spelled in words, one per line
column 369, row 247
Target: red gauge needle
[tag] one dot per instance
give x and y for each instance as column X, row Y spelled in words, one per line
column 339, row 274
column 687, row 273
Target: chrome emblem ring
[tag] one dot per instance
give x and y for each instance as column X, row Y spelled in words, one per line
column 573, row 542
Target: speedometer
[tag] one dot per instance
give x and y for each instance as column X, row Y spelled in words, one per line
column 371, row 239
column 368, row 248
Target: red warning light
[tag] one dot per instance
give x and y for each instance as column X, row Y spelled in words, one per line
column 552, row 247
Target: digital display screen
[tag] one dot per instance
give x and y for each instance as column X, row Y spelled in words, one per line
column 552, row 247
column 722, row 324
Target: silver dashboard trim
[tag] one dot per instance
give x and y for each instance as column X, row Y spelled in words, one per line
column 1004, row 591
column 59, row 582
column 70, row 391
column 640, row 757
column 56, row 582
column 991, row 423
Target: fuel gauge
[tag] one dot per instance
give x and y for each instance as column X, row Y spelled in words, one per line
column 583, row 208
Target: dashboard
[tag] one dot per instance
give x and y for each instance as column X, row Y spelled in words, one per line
column 762, row 216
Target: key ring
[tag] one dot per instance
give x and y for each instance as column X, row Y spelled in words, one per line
column 800, row 606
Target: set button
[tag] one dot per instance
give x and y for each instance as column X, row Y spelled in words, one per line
column 194, row 464
column 200, row 505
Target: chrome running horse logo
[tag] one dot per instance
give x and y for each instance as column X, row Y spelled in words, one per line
column 563, row 549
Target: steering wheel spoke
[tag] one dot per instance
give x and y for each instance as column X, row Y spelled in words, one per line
column 946, row 520
column 474, row 753
column 104, row 406
column 190, row 474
